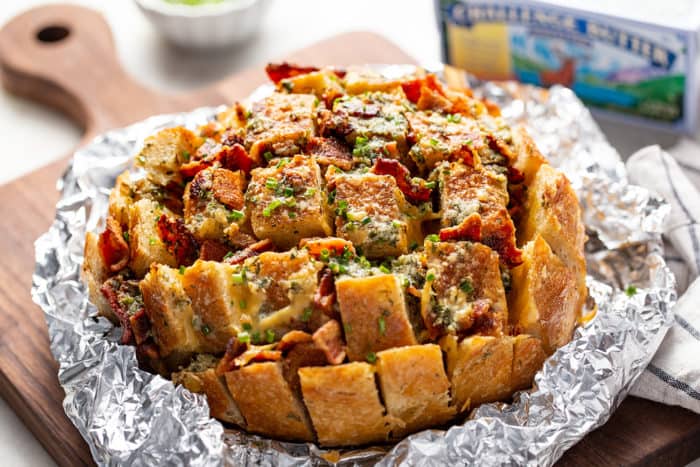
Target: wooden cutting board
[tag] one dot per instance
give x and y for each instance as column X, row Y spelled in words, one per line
column 79, row 74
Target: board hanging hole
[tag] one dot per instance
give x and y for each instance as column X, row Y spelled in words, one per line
column 50, row 34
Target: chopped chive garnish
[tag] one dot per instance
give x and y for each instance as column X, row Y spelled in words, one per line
column 434, row 142
column 384, row 269
column 235, row 215
column 306, row 314
column 186, row 156
column 126, row 236
column 366, row 220
column 382, row 325
column 270, row 336
column 151, row 241
column 371, row 357
column 325, row 254
column 228, row 255
column 430, row 277
column 466, row 286
column 631, row 290
column 430, row 185
column 271, row 184
column 310, row 192
column 268, row 156
column 206, row 330
column 242, row 304
column 182, row 270
column 238, row 278
column 274, row 204
column 243, row 337
column 433, row 238
column 247, row 326
column 288, row 191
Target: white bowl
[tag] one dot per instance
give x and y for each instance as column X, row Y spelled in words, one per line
column 205, row 26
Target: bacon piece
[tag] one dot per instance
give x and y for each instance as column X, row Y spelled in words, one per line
column 213, row 251
column 483, row 319
column 236, row 158
column 148, row 357
column 500, row 146
column 334, row 245
column 279, row 71
column 493, row 109
column 140, row 325
column 468, row 229
column 413, row 291
column 412, row 89
column 227, row 188
column 502, row 240
column 414, row 193
column 192, row 168
column 330, row 151
column 178, row 240
column 329, row 339
column 324, row 297
column 113, row 246
column 116, row 291
column 253, row 250
column 240, row 354
column 291, row 339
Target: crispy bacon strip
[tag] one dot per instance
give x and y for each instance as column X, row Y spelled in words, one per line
column 113, row 246
column 330, row 151
column 291, row 339
column 324, row 297
column 329, row 339
column 414, row 193
column 227, row 188
column 468, row 229
column 279, row 71
column 236, row 158
column 140, row 326
column 502, row 241
column 230, row 157
column 334, row 245
column 178, row 240
column 500, row 146
column 240, row 354
column 114, row 290
column 253, row 250
column 213, row 251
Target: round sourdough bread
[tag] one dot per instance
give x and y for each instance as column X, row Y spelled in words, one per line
column 347, row 261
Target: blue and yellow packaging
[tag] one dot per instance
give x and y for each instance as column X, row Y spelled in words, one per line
column 635, row 70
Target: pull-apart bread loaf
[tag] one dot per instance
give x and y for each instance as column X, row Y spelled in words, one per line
column 347, row 261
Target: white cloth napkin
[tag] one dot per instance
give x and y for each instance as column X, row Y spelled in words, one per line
column 673, row 376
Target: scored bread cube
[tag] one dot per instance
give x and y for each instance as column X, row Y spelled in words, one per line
column 544, row 300
column 214, row 204
column 467, row 190
column 369, row 214
column 145, row 244
column 374, row 314
column 370, row 115
column 170, row 312
column 200, row 377
column 344, row 404
column 528, row 358
column 287, row 203
column 441, row 137
column 359, row 80
column 95, row 273
column 479, row 369
column 281, row 125
column 322, row 84
column 552, row 210
column 464, row 290
column 282, row 286
column 528, row 159
column 267, row 403
column 120, row 198
column 215, row 303
column 415, row 388
column 164, row 153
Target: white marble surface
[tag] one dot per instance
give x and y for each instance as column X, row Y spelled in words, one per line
column 34, row 136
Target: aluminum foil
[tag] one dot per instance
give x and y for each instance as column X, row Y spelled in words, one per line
column 131, row 417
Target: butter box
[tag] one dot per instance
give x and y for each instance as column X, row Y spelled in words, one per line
column 625, row 59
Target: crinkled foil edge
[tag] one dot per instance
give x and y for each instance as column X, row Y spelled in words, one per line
column 131, row 417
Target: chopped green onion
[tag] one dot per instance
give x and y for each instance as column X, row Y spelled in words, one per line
column 235, row 215
column 292, row 215
column 631, row 290
column 384, row 269
column 238, row 278
column 310, row 192
column 371, row 357
column 331, row 197
column 247, row 326
column 186, row 156
column 288, row 191
column 466, row 286
column 433, row 238
column 126, row 236
column 270, row 336
column 255, row 337
column 347, row 327
column 206, row 330
column 434, row 142
column 243, row 337
column 268, row 156
column 182, row 270
column 430, row 185
column 430, row 277
column 271, row 184
column 151, row 241
column 290, row 201
column 228, row 255
column 413, row 246
column 242, row 304
column 366, row 220
column 396, row 224
column 325, row 254
column 306, row 314
column 274, row 204
column 284, row 161
column 382, row 325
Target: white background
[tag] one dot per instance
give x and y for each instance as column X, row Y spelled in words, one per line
column 33, row 136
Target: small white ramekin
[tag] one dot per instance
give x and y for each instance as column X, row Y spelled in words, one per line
column 205, row 26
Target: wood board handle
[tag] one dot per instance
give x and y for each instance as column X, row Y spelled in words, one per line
column 64, row 56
